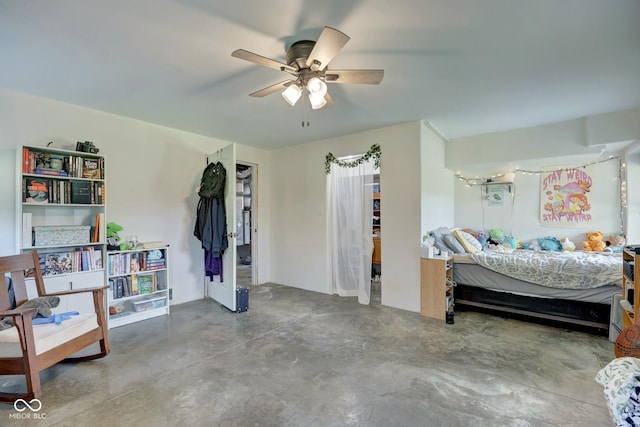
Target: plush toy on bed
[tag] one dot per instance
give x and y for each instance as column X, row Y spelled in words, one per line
column 615, row 243
column 496, row 236
column 510, row 241
column 483, row 238
column 550, row 243
column 567, row 245
column 594, row 242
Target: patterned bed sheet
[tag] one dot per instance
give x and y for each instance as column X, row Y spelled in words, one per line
column 561, row 270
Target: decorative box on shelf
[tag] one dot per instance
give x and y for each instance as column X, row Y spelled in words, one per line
column 58, row 235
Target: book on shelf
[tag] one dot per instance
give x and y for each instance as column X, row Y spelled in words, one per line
column 134, row 287
column 36, row 190
column 98, row 259
column 101, row 226
column 27, row 230
column 96, row 229
column 91, row 168
column 56, row 263
column 152, row 245
column 49, row 171
column 81, row 192
column 145, row 283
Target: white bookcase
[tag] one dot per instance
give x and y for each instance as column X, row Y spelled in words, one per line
column 139, row 285
column 60, row 212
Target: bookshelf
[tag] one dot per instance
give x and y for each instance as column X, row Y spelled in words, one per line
column 139, row 286
column 60, row 212
column 630, row 299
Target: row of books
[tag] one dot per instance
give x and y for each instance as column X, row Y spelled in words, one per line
column 42, row 190
column 43, row 162
column 135, row 284
column 133, row 262
column 55, row 263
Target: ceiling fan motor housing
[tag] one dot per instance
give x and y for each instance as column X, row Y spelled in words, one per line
column 299, row 52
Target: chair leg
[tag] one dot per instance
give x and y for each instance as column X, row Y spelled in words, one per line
column 32, row 377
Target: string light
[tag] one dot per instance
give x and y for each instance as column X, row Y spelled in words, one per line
column 622, row 183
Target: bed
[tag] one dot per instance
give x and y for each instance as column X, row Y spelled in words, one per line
column 567, row 289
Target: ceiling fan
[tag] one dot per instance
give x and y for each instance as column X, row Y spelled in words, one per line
column 307, row 62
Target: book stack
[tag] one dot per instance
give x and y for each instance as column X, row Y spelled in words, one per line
column 42, row 162
column 155, row 262
column 55, row 263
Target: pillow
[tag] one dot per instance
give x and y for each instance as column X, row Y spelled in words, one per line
column 454, row 244
column 468, row 242
column 621, row 382
column 438, row 237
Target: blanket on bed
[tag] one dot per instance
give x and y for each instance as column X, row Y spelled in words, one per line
column 568, row 270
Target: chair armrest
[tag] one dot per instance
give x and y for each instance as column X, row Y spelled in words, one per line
column 17, row 312
column 76, row 291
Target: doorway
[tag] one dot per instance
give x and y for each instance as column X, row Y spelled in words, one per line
column 245, row 208
column 376, row 257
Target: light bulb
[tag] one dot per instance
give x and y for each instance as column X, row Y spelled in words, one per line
column 316, row 86
column 317, row 101
column 292, row 94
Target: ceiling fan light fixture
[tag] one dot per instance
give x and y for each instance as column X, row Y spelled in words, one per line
column 317, row 87
column 317, row 101
column 292, row 94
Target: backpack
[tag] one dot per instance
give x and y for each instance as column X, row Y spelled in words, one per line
column 213, row 181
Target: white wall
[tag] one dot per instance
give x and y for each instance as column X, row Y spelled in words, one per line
column 298, row 215
column 520, row 214
column 152, row 173
column 437, row 200
column 563, row 145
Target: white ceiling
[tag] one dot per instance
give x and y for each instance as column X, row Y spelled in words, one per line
column 466, row 66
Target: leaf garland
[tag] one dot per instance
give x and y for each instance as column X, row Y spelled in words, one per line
column 373, row 153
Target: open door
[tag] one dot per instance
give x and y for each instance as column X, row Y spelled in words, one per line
column 224, row 291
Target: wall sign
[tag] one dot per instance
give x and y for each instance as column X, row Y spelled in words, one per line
column 495, row 195
column 564, row 198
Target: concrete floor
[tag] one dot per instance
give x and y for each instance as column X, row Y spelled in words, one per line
column 300, row 358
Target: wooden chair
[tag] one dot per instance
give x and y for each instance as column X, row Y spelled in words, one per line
column 27, row 349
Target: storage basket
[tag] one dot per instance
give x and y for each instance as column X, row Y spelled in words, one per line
column 59, row 235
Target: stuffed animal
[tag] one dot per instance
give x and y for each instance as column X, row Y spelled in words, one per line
column 483, row 238
column 113, row 240
column 43, row 306
column 496, row 236
column 510, row 241
column 567, row 245
column 617, row 240
column 615, row 243
column 594, row 242
column 550, row 244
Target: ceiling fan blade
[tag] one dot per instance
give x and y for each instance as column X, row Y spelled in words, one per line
column 365, row 77
column 271, row 89
column 326, row 48
column 263, row 60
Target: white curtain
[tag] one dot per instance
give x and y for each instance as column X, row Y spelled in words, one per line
column 349, row 230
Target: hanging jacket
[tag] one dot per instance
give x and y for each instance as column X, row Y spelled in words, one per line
column 211, row 220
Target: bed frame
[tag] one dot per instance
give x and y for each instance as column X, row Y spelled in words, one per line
column 576, row 315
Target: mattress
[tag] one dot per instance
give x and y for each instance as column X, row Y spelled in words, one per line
column 475, row 275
